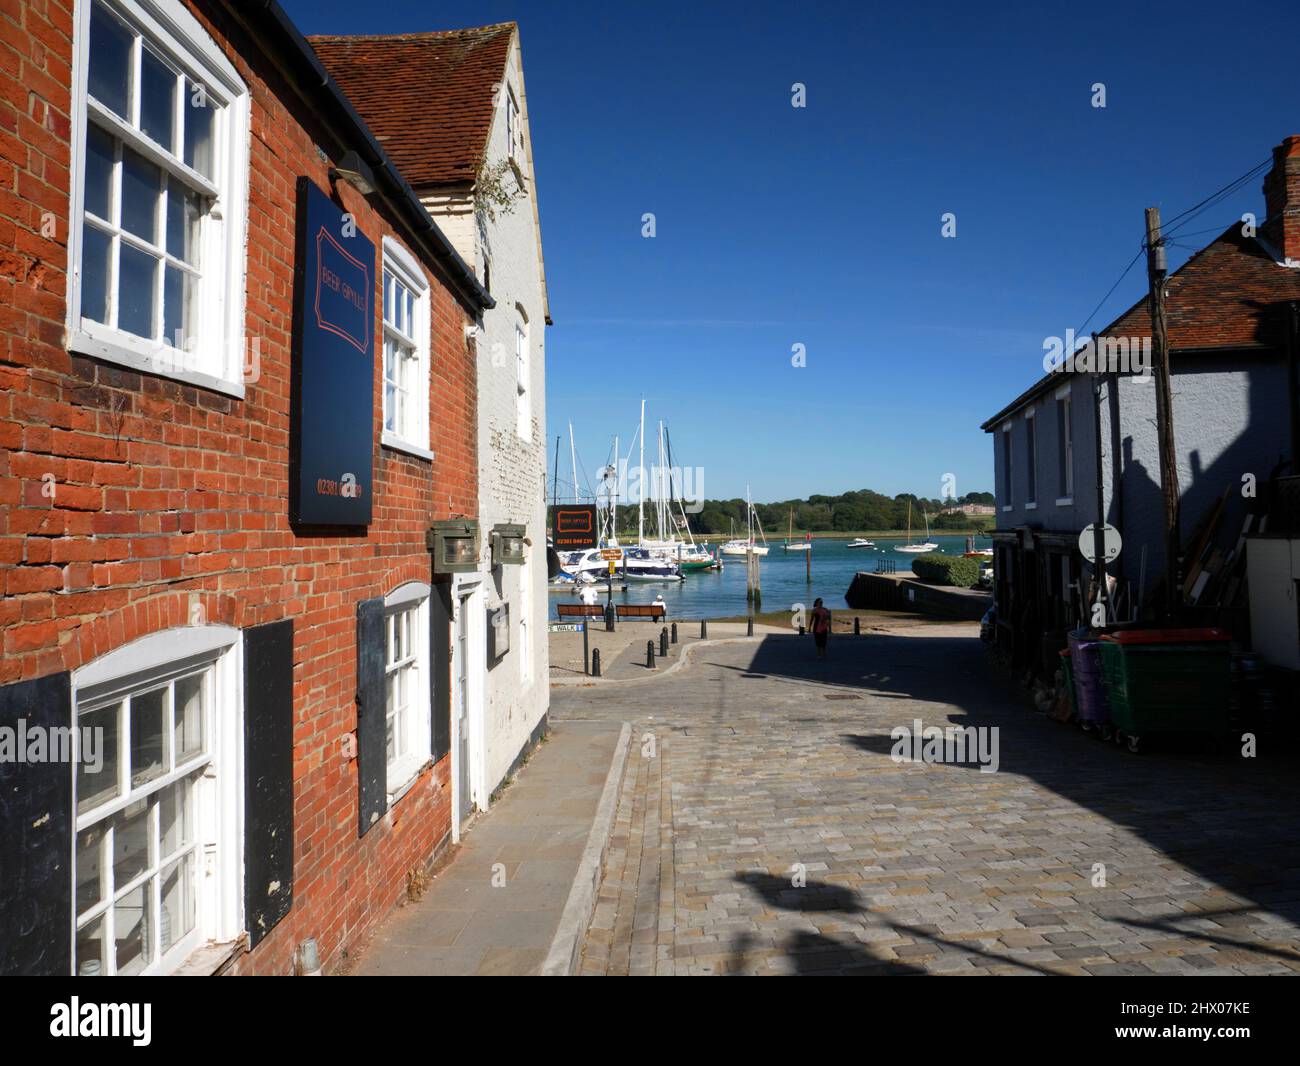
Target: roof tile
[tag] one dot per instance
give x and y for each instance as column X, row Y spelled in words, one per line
column 427, row 97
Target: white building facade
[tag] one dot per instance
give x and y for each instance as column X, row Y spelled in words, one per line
column 452, row 108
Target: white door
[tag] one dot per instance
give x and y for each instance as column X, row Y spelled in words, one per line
column 464, row 793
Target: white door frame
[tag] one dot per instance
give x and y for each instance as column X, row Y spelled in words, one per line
column 467, row 596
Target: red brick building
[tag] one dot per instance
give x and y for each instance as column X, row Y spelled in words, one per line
column 261, row 700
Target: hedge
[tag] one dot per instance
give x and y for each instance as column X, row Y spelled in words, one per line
column 957, row 570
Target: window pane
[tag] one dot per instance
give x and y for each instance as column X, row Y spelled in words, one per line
column 130, row 842
column 189, row 717
column 157, row 99
column 97, row 770
column 141, row 191
column 177, row 916
column 198, row 130
column 90, row 880
column 135, row 291
column 183, row 211
column 176, row 817
column 90, row 949
column 99, row 172
column 110, row 61
column 130, row 930
column 178, row 306
column 148, row 724
column 96, row 247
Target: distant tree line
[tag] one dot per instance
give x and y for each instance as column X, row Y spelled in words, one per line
column 848, row 512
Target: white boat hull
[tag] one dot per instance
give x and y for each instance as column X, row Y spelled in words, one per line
column 916, row 549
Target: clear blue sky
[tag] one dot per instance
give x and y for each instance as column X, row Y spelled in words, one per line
column 821, row 226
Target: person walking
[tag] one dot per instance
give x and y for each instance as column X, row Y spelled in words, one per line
column 820, row 624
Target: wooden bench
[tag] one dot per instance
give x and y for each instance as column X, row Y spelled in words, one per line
column 580, row 610
column 653, row 611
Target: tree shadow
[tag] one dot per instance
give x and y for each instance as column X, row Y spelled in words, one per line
column 815, row 953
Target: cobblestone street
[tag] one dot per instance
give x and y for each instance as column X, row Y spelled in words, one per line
column 757, row 769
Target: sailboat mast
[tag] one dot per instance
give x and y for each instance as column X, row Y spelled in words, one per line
column 613, row 514
column 640, row 504
column 573, row 462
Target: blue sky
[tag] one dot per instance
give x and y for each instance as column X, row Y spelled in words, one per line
column 820, row 226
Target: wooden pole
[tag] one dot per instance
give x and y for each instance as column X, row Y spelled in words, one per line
column 1099, row 536
column 1157, row 267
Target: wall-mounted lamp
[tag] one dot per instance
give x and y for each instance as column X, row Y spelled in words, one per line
column 354, row 170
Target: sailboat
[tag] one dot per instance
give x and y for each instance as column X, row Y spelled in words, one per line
column 798, row 545
column 674, row 543
column 747, row 546
column 916, row 549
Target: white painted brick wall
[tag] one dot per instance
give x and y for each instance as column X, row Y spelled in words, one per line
column 512, row 470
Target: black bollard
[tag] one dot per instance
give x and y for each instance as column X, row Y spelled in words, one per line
column 674, row 632
column 663, row 643
column 857, row 626
column 749, row 627
column 650, row 654
column 704, row 629
column 595, row 662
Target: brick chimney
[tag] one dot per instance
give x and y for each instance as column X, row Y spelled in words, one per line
column 1282, row 200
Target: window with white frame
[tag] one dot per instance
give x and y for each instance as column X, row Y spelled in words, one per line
column 406, row 685
column 1031, row 460
column 406, row 352
column 512, row 123
column 1007, row 472
column 159, row 180
column 1064, row 448
column 523, row 408
column 155, row 870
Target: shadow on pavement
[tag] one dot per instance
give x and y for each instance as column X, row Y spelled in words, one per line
column 1231, row 820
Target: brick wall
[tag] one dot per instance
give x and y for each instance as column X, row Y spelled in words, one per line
column 128, row 501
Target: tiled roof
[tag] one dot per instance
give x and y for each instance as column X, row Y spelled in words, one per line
column 1230, row 294
column 1227, row 295
column 427, row 97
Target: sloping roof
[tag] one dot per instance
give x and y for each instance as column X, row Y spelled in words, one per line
column 426, row 96
column 1226, row 296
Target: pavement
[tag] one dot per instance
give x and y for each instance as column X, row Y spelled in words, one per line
column 518, row 892
column 764, row 827
column 623, row 652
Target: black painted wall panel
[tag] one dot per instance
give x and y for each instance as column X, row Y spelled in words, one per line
column 268, row 776
column 36, row 826
column 440, row 661
column 372, row 744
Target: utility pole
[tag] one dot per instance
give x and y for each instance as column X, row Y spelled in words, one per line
column 1099, row 527
column 1157, row 268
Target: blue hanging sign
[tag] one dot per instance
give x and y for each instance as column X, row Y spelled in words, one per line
column 331, row 481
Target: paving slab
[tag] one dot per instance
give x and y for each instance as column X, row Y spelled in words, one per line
column 764, row 826
column 497, row 907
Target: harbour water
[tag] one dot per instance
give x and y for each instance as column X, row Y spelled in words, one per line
column 721, row 594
